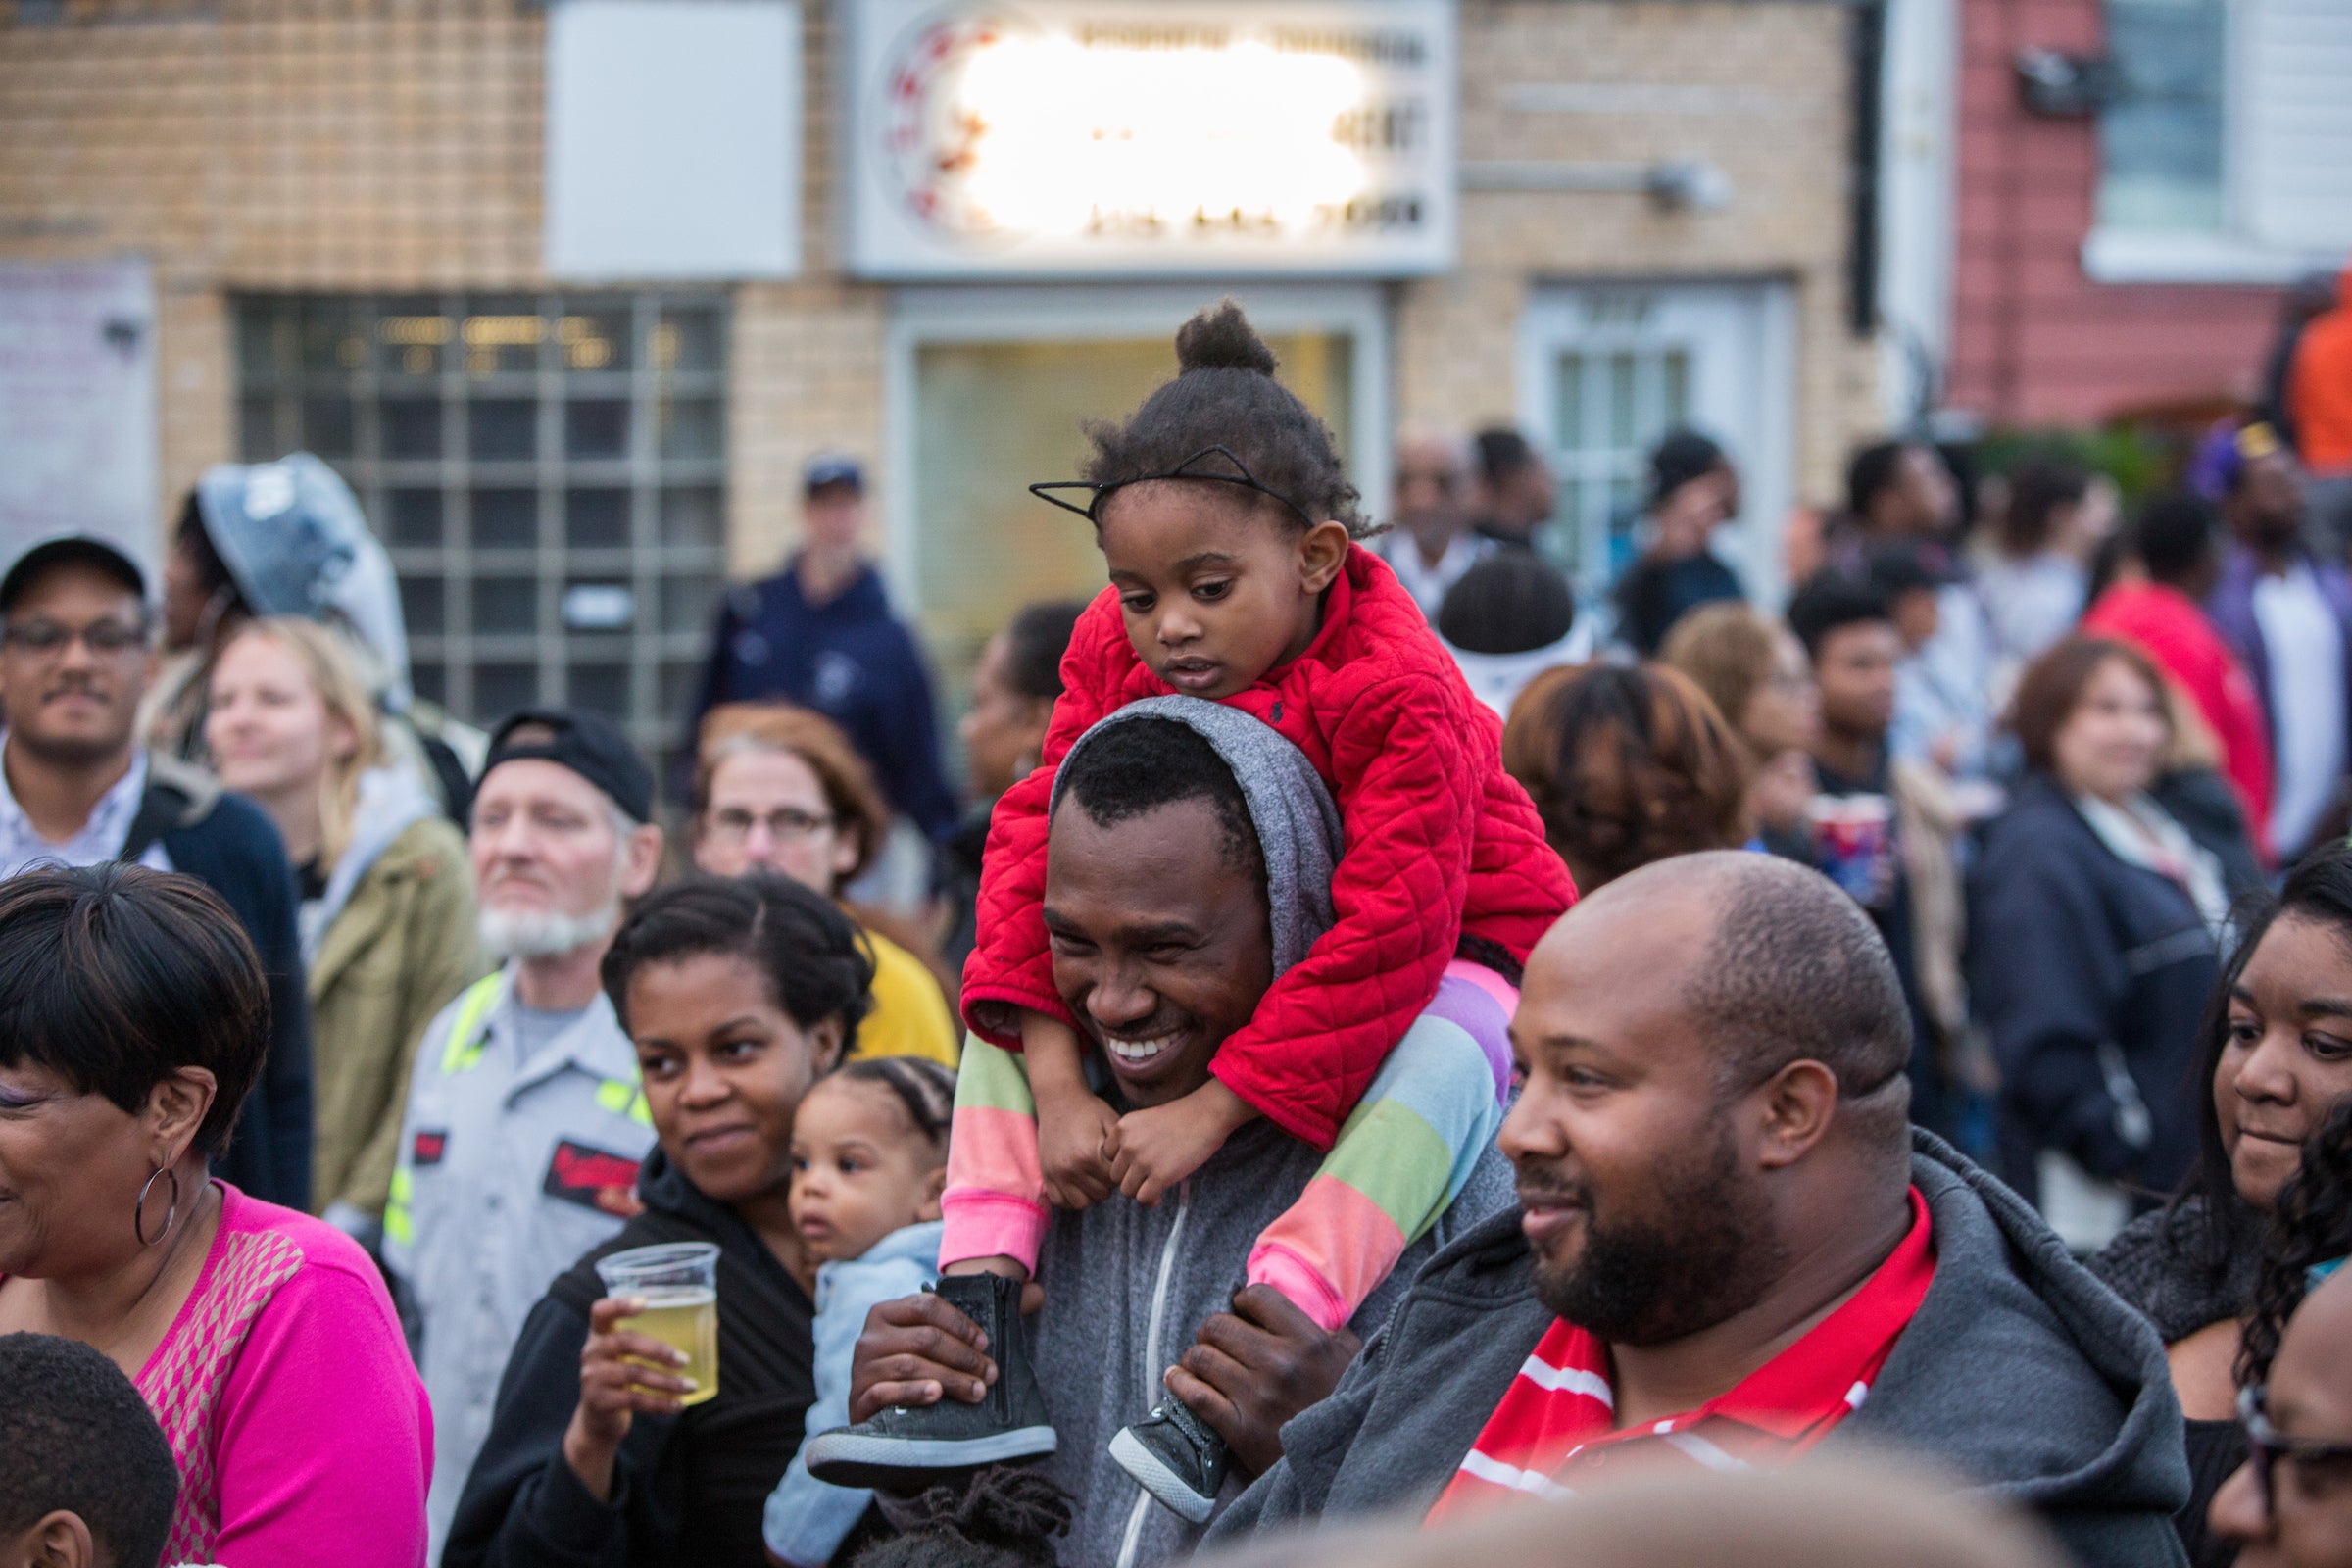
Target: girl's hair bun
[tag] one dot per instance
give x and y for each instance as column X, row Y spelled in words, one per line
column 1222, row 338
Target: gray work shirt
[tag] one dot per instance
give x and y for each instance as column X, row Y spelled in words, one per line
column 511, row 1167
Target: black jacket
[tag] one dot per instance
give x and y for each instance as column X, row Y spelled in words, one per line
column 224, row 842
column 686, row 1490
column 2089, row 974
column 2164, row 1266
column 2020, row 1373
column 851, row 660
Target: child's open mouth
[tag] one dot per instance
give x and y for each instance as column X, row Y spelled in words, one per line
column 1192, row 675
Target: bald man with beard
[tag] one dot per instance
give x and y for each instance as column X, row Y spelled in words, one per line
column 1731, row 1248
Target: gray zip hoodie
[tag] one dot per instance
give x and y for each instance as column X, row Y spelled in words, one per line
column 1126, row 1287
column 2021, row 1372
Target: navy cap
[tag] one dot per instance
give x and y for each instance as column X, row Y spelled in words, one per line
column 589, row 743
column 829, row 469
column 80, row 549
column 1908, row 566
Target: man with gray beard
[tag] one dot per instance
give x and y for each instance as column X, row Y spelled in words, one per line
column 525, row 1122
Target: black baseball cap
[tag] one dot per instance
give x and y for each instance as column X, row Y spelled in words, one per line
column 589, row 743
column 829, row 469
column 76, row 549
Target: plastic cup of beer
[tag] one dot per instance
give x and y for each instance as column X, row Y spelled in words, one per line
column 678, row 1284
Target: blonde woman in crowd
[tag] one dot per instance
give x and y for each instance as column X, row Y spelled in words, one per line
column 780, row 789
column 1755, row 671
column 387, row 915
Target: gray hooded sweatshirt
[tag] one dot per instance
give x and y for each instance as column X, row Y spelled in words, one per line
column 1126, row 1287
column 2021, row 1372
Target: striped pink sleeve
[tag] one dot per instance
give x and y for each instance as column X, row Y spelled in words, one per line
column 995, row 1204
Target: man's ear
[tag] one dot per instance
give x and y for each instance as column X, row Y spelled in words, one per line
column 644, row 862
column 1798, row 1103
column 56, row 1539
column 1322, row 552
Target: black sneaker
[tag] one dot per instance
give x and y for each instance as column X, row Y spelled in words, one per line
column 906, row 1448
column 1174, row 1458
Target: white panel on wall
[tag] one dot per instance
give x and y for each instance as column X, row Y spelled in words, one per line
column 78, row 409
column 1100, row 138
column 674, row 140
column 2295, row 122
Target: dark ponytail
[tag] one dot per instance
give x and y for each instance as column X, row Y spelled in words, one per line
column 1225, row 395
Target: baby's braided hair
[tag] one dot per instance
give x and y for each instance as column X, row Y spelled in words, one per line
column 924, row 1090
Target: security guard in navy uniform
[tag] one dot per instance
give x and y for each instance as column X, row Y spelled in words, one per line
column 525, row 1123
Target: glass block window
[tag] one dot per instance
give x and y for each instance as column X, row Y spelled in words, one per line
column 548, row 471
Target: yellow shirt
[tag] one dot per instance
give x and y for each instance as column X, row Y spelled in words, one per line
column 911, row 1016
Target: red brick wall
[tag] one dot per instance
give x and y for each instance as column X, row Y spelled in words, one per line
column 2034, row 340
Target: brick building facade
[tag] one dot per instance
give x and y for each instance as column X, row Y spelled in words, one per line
column 2071, row 302
column 391, row 153
column 2036, row 340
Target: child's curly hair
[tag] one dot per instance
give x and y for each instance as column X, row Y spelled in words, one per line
column 1627, row 764
column 2312, row 1224
column 1225, row 395
column 1004, row 1518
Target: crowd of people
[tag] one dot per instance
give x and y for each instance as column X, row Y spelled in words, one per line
column 1390, row 1063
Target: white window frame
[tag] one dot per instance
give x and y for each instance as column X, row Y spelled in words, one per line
column 1765, row 453
column 2228, row 255
column 1075, row 314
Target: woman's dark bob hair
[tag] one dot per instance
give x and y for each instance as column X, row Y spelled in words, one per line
column 114, row 977
column 816, row 961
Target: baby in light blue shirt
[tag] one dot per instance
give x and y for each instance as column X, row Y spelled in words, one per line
column 869, row 1156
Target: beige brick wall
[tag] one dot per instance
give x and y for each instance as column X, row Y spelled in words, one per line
column 808, row 355
column 354, row 145
column 269, row 144
column 1784, row 153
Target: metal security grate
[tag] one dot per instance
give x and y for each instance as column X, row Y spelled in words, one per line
column 548, row 471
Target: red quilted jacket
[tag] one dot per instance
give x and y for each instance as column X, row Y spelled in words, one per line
column 1439, row 840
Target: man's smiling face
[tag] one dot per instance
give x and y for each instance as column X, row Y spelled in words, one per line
column 1161, row 942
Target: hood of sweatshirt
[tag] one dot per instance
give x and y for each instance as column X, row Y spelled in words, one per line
column 391, row 802
column 2022, row 1370
column 1297, row 825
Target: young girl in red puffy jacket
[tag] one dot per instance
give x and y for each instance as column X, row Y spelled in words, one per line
column 1229, row 527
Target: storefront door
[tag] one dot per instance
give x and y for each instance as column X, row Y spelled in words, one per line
column 1606, row 369
column 987, row 391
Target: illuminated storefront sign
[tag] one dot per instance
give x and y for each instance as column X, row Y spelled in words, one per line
column 1083, row 138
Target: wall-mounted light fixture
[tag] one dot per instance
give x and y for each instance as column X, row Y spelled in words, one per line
column 2064, row 85
column 1678, row 184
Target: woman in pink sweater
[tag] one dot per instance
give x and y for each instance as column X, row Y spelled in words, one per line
column 133, row 1017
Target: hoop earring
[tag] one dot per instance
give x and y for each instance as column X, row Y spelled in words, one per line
column 138, row 1213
